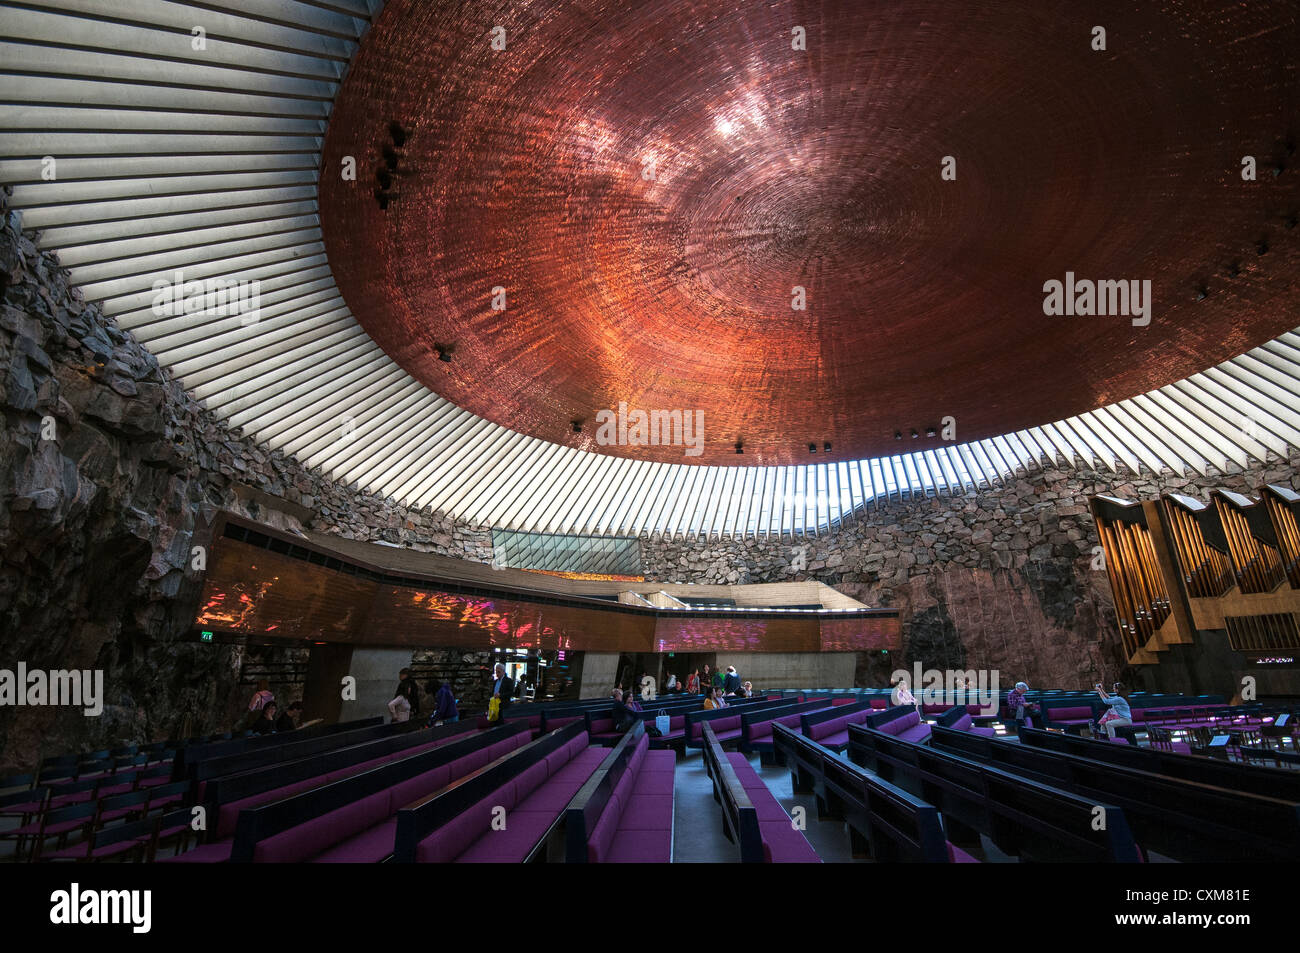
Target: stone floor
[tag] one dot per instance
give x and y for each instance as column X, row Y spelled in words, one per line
column 697, row 824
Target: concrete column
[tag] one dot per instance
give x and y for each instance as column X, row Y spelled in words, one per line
column 599, row 669
column 376, row 673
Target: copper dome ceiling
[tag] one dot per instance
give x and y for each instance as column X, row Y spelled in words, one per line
column 648, row 182
column 209, row 161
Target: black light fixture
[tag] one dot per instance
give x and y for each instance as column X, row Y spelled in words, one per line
column 444, row 353
column 1202, row 292
column 740, row 446
column 1234, row 269
column 931, row 432
column 898, row 435
column 397, row 133
column 577, row 426
column 812, row 448
column 827, row 446
column 915, row 435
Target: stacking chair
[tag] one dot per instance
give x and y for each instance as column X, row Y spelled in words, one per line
column 130, row 841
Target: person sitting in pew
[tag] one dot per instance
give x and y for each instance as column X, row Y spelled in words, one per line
column 266, row 723
column 1016, row 706
column 715, row 699
column 624, row 715
column 286, row 721
column 444, row 706
column 1120, row 712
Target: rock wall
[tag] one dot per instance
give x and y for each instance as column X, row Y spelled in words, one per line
column 108, row 469
column 107, row 466
column 996, row 579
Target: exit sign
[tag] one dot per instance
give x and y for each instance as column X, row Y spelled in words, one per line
column 205, row 636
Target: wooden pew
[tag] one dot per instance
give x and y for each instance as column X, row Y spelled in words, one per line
column 1184, row 820
column 884, row 821
column 418, row 820
column 1027, row 817
column 1284, row 785
column 739, row 816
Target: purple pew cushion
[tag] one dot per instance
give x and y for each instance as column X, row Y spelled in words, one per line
column 1080, row 713
column 958, row 856
column 215, row 853
column 915, row 734
column 647, row 812
column 640, row 847
column 898, row 725
column 601, row 839
column 369, row 847
column 511, row 845
column 782, row 844
column 455, row 837
column 305, row 840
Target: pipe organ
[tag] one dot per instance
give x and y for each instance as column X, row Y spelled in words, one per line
column 1178, row 565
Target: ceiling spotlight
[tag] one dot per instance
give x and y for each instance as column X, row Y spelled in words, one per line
column 898, row 435
column 397, row 133
column 915, row 435
column 812, row 448
column 931, row 432
column 740, row 446
column 1278, row 169
column 827, row 446
column 577, row 426
column 444, row 353
column 1202, row 293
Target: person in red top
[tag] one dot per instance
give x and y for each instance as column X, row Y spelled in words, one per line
column 693, row 683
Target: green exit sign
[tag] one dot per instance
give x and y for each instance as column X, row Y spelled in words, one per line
column 205, row 636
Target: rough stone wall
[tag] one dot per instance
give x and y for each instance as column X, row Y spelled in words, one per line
column 107, row 466
column 98, row 516
column 996, row 579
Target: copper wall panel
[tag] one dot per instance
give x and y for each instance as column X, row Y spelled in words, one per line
column 255, row 592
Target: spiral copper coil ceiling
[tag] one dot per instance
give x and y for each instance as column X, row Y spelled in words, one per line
column 649, row 182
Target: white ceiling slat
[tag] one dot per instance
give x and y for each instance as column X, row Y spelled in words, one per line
column 171, row 159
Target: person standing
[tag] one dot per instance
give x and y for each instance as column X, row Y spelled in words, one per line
column 706, row 681
column 261, row 698
column 730, row 681
column 693, row 683
column 503, row 690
